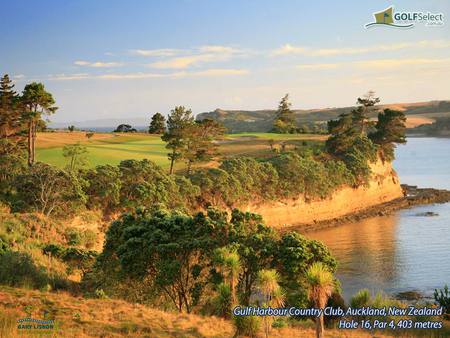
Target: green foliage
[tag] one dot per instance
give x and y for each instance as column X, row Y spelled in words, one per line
column 71, row 128
column 389, row 130
column 183, row 256
column 199, row 145
column 48, row 190
column 284, row 121
column 170, row 247
column 143, row 183
column 178, row 124
column 247, row 325
column 222, row 301
column 76, row 154
column 10, row 119
column 254, row 178
column 124, row 128
column 361, row 299
column 36, row 102
column 218, row 188
column 442, row 297
column 158, row 124
column 17, row 269
column 103, row 188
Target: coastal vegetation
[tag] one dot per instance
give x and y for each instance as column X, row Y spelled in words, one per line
column 175, row 237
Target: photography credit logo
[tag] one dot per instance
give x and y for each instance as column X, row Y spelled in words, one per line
column 391, row 18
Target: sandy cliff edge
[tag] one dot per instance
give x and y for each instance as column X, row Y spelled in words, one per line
column 384, row 186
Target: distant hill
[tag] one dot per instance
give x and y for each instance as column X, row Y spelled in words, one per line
column 261, row 120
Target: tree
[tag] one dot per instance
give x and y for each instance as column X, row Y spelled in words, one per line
column 199, row 145
column 103, row 189
column 342, row 134
column 272, row 294
column 146, row 184
column 389, row 130
column 284, row 121
column 172, row 249
column 178, row 124
column 11, row 141
column 124, row 128
column 48, row 190
column 77, row 156
column 9, row 108
column 321, row 284
column 71, row 128
column 360, row 115
column 229, row 264
column 158, row 124
column 37, row 101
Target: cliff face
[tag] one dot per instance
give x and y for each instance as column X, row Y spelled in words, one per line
column 384, row 187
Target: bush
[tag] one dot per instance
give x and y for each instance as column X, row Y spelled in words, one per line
column 442, row 297
column 222, row 302
column 48, row 190
column 18, row 270
column 247, row 325
column 73, row 236
column 360, row 299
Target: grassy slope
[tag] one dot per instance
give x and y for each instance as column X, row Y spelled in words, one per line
column 108, row 148
column 80, row 317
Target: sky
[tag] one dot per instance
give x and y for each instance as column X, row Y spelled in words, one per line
column 117, row 59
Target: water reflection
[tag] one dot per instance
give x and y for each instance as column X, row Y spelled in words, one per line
column 404, row 251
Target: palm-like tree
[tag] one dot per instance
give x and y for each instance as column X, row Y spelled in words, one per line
column 229, row 264
column 321, row 284
column 268, row 284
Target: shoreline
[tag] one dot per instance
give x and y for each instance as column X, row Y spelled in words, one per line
column 413, row 196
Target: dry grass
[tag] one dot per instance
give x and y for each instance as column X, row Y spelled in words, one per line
column 80, row 317
column 61, row 138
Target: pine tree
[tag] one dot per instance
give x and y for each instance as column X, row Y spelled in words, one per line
column 36, row 101
column 178, row 123
column 158, row 124
column 390, row 129
column 284, row 121
column 9, row 108
column 361, row 118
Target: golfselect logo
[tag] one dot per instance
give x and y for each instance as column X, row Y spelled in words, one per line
column 390, row 18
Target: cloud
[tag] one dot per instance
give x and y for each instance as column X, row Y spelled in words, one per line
column 317, row 66
column 213, row 72
column 155, row 52
column 203, row 54
column 98, row 64
column 217, row 49
column 18, row 76
column 394, row 63
column 288, row 49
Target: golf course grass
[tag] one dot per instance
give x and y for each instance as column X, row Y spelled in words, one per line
column 110, row 148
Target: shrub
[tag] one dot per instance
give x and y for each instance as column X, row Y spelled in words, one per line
column 222, row 302
column 360, row 299
column 48, row 190
column 247, row 325
column 442, row 297
column 18, row 270
column 73, row 236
